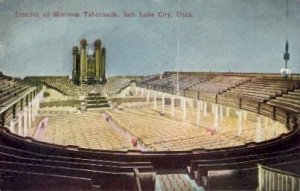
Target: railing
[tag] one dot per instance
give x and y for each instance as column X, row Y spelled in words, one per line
column 137, row 183
column 275, row 179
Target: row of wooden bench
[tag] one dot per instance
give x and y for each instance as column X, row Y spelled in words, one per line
column 11, row 90
column 26, row 169
column 221, row 172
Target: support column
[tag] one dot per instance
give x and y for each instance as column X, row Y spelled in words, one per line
column 148, row 95
column 154, row 99
column 29, row 118
column 266, row 123
column 25, row 124
column 181, row 104
column 198, row 113
column 227, row 111
column 240, row 122
column 201, row 106
column 275, row 128
column 83, row 60
column 192, row 104
column 103, row 72
column 172, row 106
column 12, row 126
column 258, row 129
column 221, row 112
column 205, row 109
column 98, row 57
column 183, row 108
column 142, row 92
column 245, row 115
column 163, row 102
column 34, row 113
column 20, row 123
column 75, row 69
column 216, row 116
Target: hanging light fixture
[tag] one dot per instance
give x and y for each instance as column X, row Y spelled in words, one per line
column 285, row 72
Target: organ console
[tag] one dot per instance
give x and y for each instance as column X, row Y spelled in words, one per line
column 89, row 66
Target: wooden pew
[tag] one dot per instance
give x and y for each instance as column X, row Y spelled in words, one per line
column 204, row 168
column 107, row 180
column 23, row 180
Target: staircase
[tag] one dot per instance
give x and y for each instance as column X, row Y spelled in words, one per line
column 95, row 101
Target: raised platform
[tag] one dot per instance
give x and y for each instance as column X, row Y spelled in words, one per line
column 95, row 101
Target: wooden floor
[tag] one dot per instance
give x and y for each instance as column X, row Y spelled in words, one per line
column 160, row 132
column 86, row 130
column 154, row 129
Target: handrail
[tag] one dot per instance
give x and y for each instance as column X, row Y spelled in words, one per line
column 278, row 171
column 275, row 179
column 137, row 182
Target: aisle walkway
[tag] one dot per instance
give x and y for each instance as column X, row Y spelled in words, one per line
column 176, row 182
column 125, row 133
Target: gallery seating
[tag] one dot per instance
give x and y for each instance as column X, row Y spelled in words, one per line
column 82, row 152
column 11, row 90
column 87, row 173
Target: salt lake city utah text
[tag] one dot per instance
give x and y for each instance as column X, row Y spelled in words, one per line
column 91, row 14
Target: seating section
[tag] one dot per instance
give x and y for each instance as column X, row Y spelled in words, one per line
column 149, row 78
column 66, row 87
column 36, row 170
column 220, row 84
column 40, row 181
column 184, row 82
column 289, row 101
column 86, row 130
column 159, row 132
column 225, row 170
column 116, row 84
column 208, row 85
column 11, row 89
column 215, row 154
column 262, row 89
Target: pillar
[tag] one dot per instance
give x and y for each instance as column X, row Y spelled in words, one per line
column 192, row 104
column 216, row 116
column 12, row 126
column 258, row 129
column 163, row 102
column 25, row 124
column 83, row 60
column 154, row 99
column 148, row 95
column 29, row 118
column 20, row 123
column 227, row 111
column 245, row 115
column 205, row 109
column 98, row 56
column 198, row 113
column 183, row 108
column 181, row 103
column 275, row 128
column 239, row 122
column 33, row 109
column 201, row 106
column 103, row 75
column 172, row 106
column 75, row 69
column 266, row 123
column 221, row 112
